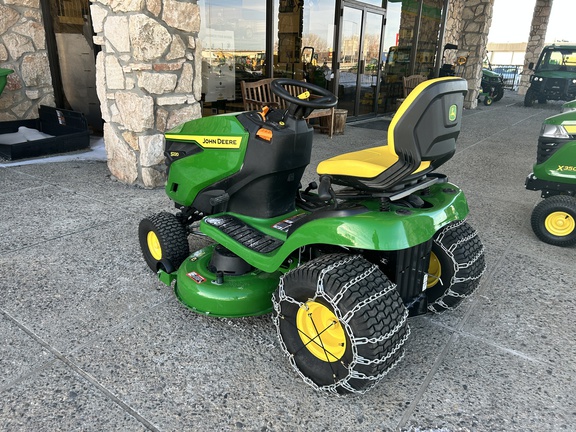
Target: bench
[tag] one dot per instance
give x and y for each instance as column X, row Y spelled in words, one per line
column 259, row 94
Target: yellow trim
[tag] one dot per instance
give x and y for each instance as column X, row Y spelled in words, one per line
column 321, row 332
column 210, row 141
column 304, row 95
column 560, row 224
column 570, row 129
column 154, row 245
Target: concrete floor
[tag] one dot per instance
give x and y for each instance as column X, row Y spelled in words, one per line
column 92, row 341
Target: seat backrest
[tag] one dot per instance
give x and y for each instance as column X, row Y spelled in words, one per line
column 410, row 83
column 427, row 124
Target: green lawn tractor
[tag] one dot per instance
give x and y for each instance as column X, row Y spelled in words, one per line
column 341, row 263
column 492, row 87
column 554, row 219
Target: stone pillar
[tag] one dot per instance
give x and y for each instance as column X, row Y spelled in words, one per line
column 453, row 29
column 476, row 19
column 536, row 40
column 148, row 79
column 23, row 49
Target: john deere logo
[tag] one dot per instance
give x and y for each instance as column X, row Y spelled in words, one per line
column 452, row 112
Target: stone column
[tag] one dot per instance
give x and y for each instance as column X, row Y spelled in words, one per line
column 148, row 80
column 453, row 29
column 23, row 49
column 536, row 40
column 476, row 19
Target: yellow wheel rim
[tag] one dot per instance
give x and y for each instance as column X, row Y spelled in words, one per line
column 559, row 223
column 434, row 271
column 321, row 332
column 154, row 245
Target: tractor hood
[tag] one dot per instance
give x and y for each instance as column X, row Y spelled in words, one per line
column 489, row 73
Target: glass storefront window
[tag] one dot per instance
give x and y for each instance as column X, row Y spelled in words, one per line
column 233, row 38
column 304, row 40
column 428, row 37
column 406, row 58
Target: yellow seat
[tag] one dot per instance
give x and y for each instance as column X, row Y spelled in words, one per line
column 421, row 136
column 366, row 163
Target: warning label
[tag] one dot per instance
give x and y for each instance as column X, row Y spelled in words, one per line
column 287, row 223
column 196, row 277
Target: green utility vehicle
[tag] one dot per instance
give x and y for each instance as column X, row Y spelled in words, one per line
column 554, row 219
column 341, row 263
column 554, row 76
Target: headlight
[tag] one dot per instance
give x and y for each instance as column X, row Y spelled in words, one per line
column 553, row 131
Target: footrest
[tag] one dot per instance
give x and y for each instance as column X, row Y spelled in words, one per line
column 244, row 234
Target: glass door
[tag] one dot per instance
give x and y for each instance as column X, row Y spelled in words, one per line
column 360, row 58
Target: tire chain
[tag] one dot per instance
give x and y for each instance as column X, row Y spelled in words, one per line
column 467, row 241
column 344, row 383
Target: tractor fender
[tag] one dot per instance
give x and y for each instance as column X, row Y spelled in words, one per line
column 370, row 229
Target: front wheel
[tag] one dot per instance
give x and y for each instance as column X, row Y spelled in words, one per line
column 456, row 265
column 529, row 98
column 553, row 220
column 341, row 323
column 164, row 242
column 498, row 93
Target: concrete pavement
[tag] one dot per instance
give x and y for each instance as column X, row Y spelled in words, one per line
column 92, row 341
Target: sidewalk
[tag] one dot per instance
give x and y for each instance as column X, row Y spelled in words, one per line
column 92, row 341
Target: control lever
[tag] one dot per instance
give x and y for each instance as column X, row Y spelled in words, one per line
column 215, row 201
column 311, row 186
column 324, row 191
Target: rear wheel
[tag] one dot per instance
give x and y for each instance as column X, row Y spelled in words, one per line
column 164, row 242
column 456, row 265
column 554, row 220
column 341, row 323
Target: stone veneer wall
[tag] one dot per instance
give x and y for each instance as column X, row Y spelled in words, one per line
column 148, row 80
column 23, row 49
column 536, row 40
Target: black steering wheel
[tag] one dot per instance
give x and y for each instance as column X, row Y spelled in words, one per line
column 327, row 99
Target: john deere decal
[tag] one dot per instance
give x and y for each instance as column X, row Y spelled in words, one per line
column 224, row 142
column 452, row 112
